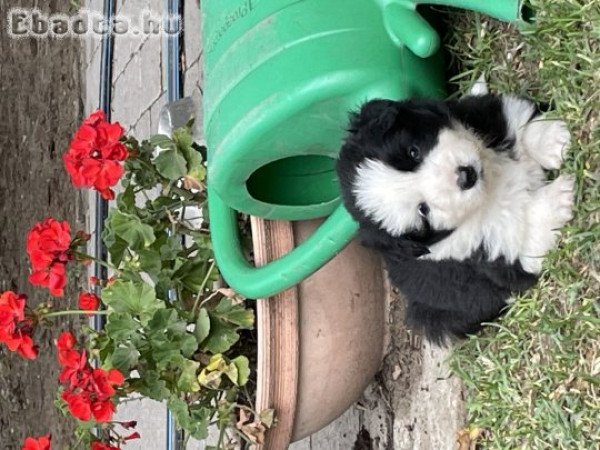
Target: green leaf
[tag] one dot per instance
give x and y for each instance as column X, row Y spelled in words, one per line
column 183, row 138
column 221, row 338
column 131, row 229
column 188, row 380
column 166, row 353
column 188, row 344
column 164, row 321
column 200, row 416
column 165, row 280
column 171, row 248
column 193, row 158
column 231, row 371
column 135, row 298
column 267, row 417
column 202, row 329
column 192, row 274
column 169, row 338
column 150, row 262
column 195, row 423
column 126, row 199
column 243, row 367
column 115, row 245
column 170, row 164
column 236, row 314
column 121, row 327
column 125, row 359
column 151, row 385
column 162, row 141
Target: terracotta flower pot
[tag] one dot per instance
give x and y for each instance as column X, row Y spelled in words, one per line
column 320, row 343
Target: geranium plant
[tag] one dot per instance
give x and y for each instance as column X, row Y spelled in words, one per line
column 169, row 333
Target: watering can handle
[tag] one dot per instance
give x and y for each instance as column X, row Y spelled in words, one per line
column 260, row 282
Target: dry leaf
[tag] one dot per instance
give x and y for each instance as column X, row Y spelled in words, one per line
column 468, row 437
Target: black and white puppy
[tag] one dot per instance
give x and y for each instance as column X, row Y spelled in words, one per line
column 454, row 196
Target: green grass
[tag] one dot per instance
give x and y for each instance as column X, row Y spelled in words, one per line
column 533, row 379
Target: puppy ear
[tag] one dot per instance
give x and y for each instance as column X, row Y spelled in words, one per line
column 376, row 116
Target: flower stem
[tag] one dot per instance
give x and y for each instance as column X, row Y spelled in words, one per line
column 72, row 312
column 97, row 261
column 202, row 286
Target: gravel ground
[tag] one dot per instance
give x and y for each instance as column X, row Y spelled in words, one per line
column 40, row 108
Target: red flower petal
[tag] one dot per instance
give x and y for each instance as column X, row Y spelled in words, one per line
column 57, row 280
column 107, row 194
column 41, row 443
column 27, row 349
column 101, row 446
column 103, row 410
column 95, row 117
column 48, row 246
column 79, row 405
column 14, row 304
column 88, row 301
column 132, row 436
column 115, row 377
column 66, row 341
column 110, row 132
column 86, row 133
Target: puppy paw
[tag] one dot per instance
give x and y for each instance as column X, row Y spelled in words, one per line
column 547, row 142
column 480, row 86
column 560, row 193
column 551, row 209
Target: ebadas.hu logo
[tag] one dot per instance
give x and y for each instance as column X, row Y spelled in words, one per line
column 24, row 23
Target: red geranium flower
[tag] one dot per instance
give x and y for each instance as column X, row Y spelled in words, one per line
column 101, row 446
column 95, row 155
column 15, row 328
column 88, row 392
column 88, row 301
column 48, row 242
column 48, row 246
column 12, row 310
column 41, row 443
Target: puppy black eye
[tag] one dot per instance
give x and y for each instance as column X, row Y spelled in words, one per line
column 414, row 152
column 423, row 209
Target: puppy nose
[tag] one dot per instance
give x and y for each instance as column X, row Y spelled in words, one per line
column 467, row 177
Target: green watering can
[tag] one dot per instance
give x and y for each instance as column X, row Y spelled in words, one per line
column 280, row 77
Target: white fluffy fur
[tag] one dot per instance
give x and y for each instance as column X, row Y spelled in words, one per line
column 511, row 210
column 480, row 86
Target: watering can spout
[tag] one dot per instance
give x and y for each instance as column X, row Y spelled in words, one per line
column 505, row 10
column 405, row 25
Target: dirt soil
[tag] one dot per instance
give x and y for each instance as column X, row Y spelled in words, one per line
column 40, row 107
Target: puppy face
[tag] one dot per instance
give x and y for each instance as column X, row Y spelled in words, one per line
column 417, row 171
